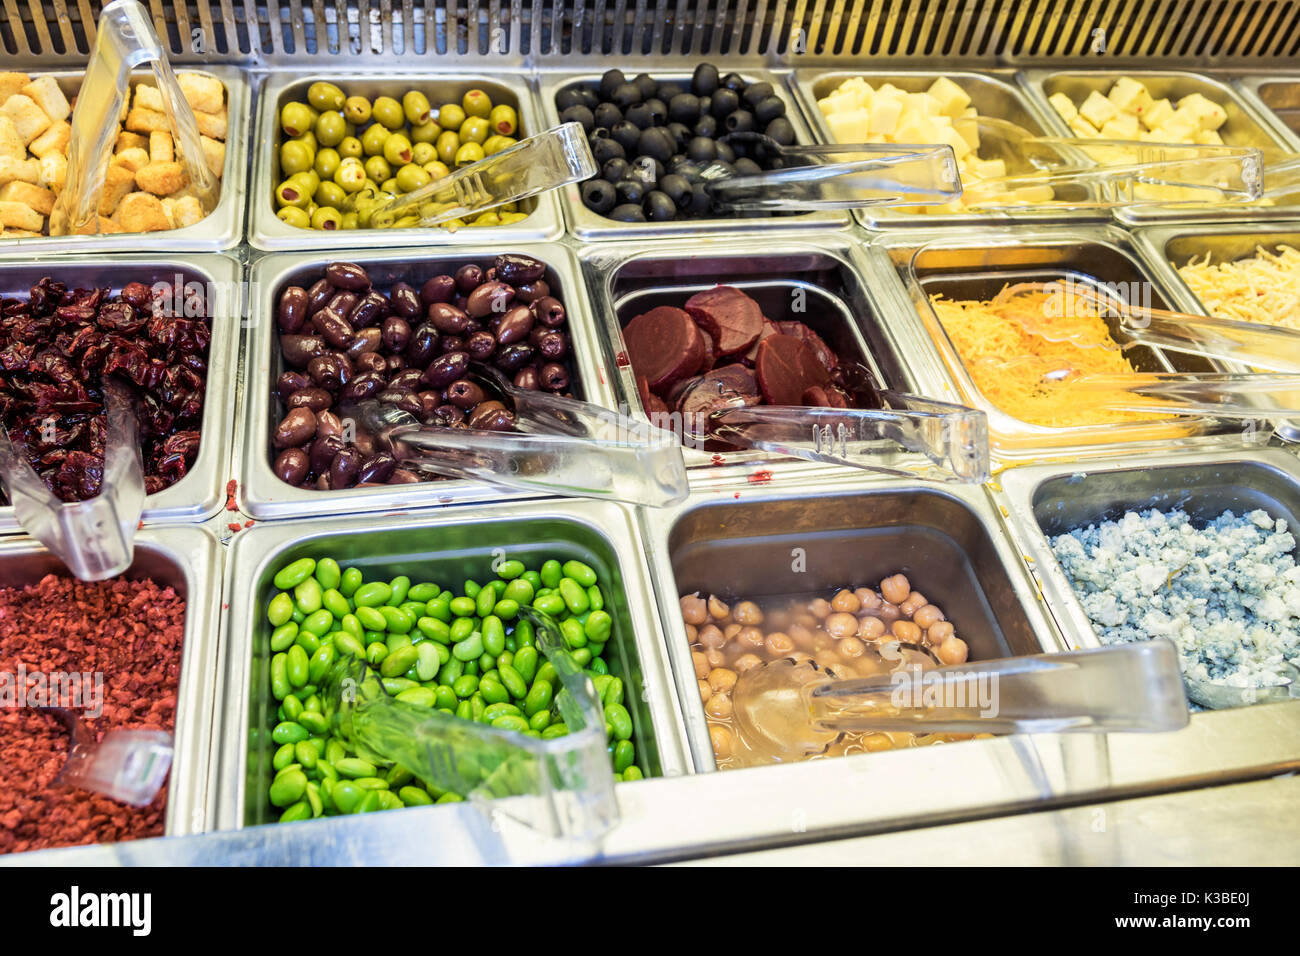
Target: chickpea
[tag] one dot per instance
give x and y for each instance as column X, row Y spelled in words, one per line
column 926, row 615
column 750, row 638
column 896, row 589
column 841, row 624
column 906, row 631
column 723, row 741
column 952, row 651
column 889, row 613
column 779, row 644
column 719, row 705
column 822, row 641
column 717, row 609
column 731, row 630
column 845, row 600
column 802, row 636
column 722, row 680
column 692, row 633
column 806, row 620
column 694, row 610
column 705, row 691
column 701, row 664
column 715, row 657
column 867, row 599
column 747, row 612
column 711, row 636
column 871, row 628
column 938, row 632
column 820, row 608
column 850, row 647
column 746, row 662
column 915, row 601
column 875, row 743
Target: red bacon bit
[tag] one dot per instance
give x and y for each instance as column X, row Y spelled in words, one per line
column 759, row 477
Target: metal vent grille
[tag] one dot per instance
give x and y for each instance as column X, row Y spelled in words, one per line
column 792, row 32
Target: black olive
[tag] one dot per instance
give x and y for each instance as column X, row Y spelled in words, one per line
column 704, row 80
column 747, row 167
column 755, row 93
column 781, row 130
column 630, row 191
column 647, row 168
column 646, row 84
column 659, row 207
column 741, row 121
column 656, row 143
column 734, row 82
column 701, row 202
column 706, row 105
column 724, row 102
column 607, row 114
column 606, row 149
column 628, row 212
column 768, row 109
column 626, row 95
column 610, row 82
column 702, row 149
column 639, row 116
column 658, row 110
column 668, row 90
column 676, row 188
column 579, row 114
column 684, row 108
column 706, row 126
column 598, row 195
column 626, row 134
column 571, row 96
column 614, row 170
column 675, row 162
column 681, row 134
column 725, row 153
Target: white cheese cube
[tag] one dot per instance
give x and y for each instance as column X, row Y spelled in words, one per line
column 1096, row 109
column 954, row 139
column 915, row 129
column 849, row 126
column 952, row 99
column 1123, row 126
column 1157, row 113
column 886, row 113
column 1081, row 127
column 922, row 103
column 1208, row 114
column 1126, row 94
column 1064, row 106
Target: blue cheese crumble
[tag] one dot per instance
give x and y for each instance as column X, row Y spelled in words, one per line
column 1227, row 594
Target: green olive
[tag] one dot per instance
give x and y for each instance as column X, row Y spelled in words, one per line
column 330, row 128
column 474, row 130
column 349, row 221
column 469, row 153
column 389, row 186
column 476, row 103
column 294, row 157
column 330, row 194
column 372, row 140
column 407, row 222
column 451, row 116
column 351, row 146
column 308, row 139
column 422, row 153
column 416, row 107
column 411, row 177
column 446, row 146
column 295, row 119
column 294, row 216
column 325, row 96
column 327, row 160
column 350, row 175
column 397, row 149
column 388, row 112
column 503, row 120
column 357, row 109
column 494, row 144
column 326, row 218
column 292, row 194
column 307, row 179
column 437, row 169
column 425, row 133
column 310, row 209
column 378, row 169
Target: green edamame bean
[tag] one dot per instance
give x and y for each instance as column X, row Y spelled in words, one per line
column 486, row 600
column 290, row 708
column 525, row 663
column 372, row 595
column 462, row 628
column 350, row 581
column 524, row 634
column 555, row 730
column 551, row 604
column 619, row 721
column 465, row 685
column 423, row 592
column 598, row 666
column 292, row 575
column 575, row 598
column 540, row 720
column 283, row 636
column 349, row 644
column 298, row 616
column 280, row 686
column 314, row 722
column 398, row 621
column 624, row 754
column 314, row 799
column 328, row 574
column 413, row 608
column 346, row 796
column 394, row 641
column 289, row 732
column 546, row 672
column 336, row 603
column 579, row 572
column 440, row 607
column 509, row 722
column 296, row 666
column 299, row 811
column 398, row 776
column 376, row 651
column 581, row 656
column 371, row 619
column 551, row 573
column 494, row 635
column 574, row 636
column 445, row 697
column 493, row 691
column 595, row 598
column 399, row 586
column 335, row 750
column 307, row 596
column 539, row 698
column 308, row 641
column 427, row 661
column 354, row 767
column 469, row 649
column 352, row 624
column 320, row 662
column 451, row 798
column 513, row 682
column 319, row 622
column 506, row 609
column 280, row 611
column 450, row 671
column 519, row 591
column 283, row 757
column 464, row 711
column 500, row 710
column 533, row 578
column 434, row 629
column 598, row 626
column 482, row 665
column 601, row 683
column 444, row 653
column 471, row 589
column 633, row 773
column 509, row 570
column 305, row 753
column 370, row 802
column 399, row 661
column 419, row 696
column 613, row 693
column 395, row 685
column 463, row 606
column 477, row 705
column 415, row 797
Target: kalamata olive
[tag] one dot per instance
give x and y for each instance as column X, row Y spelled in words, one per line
column 327, row 423
column 472, row 326
column 535, row 336
column 365, row 341
column 347, row 275
column 137, row 295
column 468, row 277
column 403, row 399
column 549, row 311
column 366, row 385
column 553, row 377
column 295, row 428
column 423, row 345
column 331, row 371
column 344, row 468
column 450, row 343
column 448, row 319
column 323, row 481
column 403, row 476
column 532, row 291
column 322, row 452
column 492, row 416
column 317, row 399
column 515, row 325
column 291, row 466
column 445, row 369
column 449, row 415
column 365, row 443
column 488, row 298
column 397, row 333
column 526, row 377
column 460, row 302
column 377, row 469
column 373, row 363
column 406, row 301
column 480, row 345
column 343, row 302
column 407, row 378
column 290, row 382
column 336, row 330
column 553, row 345
column 429, row 402
column 372, row 307
column 320, row 292
column 395, row 363
column 465, row 393
column 291, row 312
column 515, row 269
column 438, row 289
column 514, row 357
column 298, row 350
column 490, row 275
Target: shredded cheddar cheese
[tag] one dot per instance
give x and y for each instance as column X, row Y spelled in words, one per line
column 1263, row 288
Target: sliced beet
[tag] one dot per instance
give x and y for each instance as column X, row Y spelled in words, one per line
column 732, row 319
column 665, row 346
column 726, row 387
column 769, row 328
column 801, row 331
column 787, row 367
column 827, row 396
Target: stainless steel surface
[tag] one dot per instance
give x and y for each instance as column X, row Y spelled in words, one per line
column 447, row 549
column 992, row 93
column 202, row 491
column 1244, row 127
column 188, row 560
column 1201, row 32
column 1277, row 99
column 263, row 495
column 826, row 281
column 266, row 231
column 220, row 230
column 768, row 542
column 589, row 226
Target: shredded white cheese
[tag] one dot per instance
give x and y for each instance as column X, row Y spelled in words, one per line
column 1262, row 288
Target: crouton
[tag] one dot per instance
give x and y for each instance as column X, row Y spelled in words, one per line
column 18, row 170
column 140, row 120
column 185, row 211
column 54, row 172
column 39, row 198
column 29, row 119
column 134, row 159
column 148, row 97
column 161, row 178
column 160, row 147
column 11, row 83
column 18, row 233
column 212, row 124
column 20, row 216
column 127, row 140
column 214, row 152
column 118, row 181
column 205, row 94
column 141, row 212
column 53, row 140
column 11, row 144
column 44, row 92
